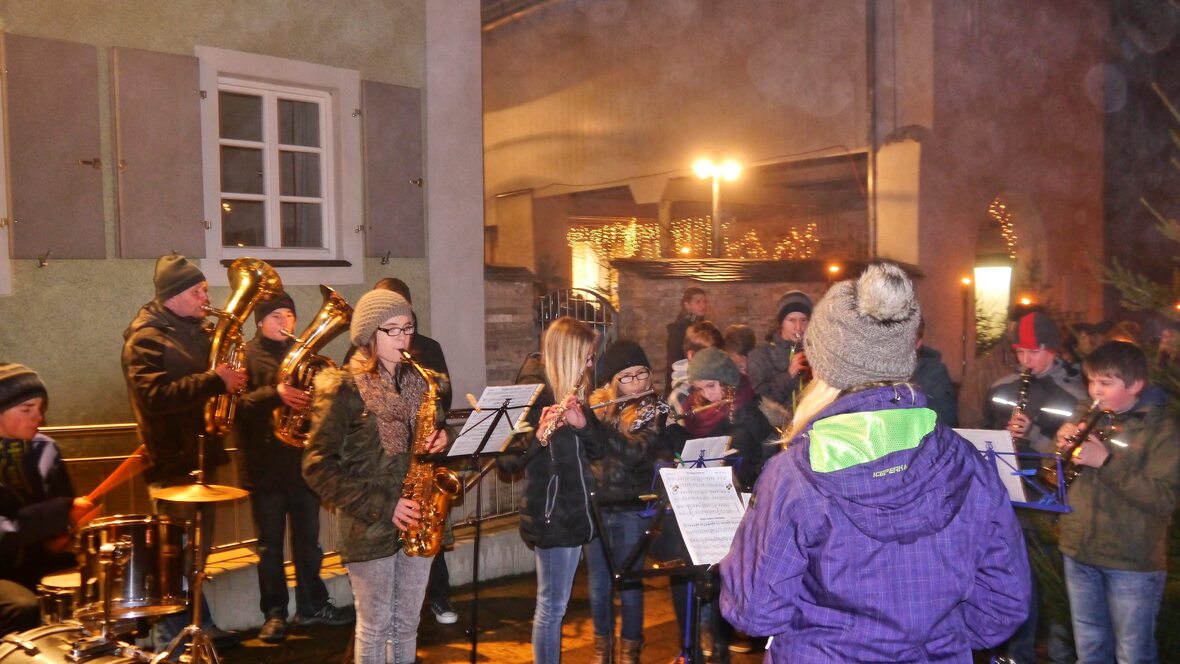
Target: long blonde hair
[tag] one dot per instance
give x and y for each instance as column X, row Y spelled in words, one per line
column 564, row 350
column 816, row 396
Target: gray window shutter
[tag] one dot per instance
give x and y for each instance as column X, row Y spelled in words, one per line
column 394, row 222
column 157, row 111
column 54, row 167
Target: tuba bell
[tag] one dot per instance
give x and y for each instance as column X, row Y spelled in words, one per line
column 250, row 279
column 302, row 363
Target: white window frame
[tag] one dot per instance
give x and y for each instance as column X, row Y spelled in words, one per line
column 341, row 187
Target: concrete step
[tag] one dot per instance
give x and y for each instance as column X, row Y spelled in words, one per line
column 233, row 593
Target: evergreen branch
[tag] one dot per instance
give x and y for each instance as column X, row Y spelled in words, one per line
column 1138, row 292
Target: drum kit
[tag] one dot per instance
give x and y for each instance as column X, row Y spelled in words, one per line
column 131, row 567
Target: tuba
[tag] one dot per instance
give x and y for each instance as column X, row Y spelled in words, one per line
column 302, row 363
column 432, row 487
column 250, row 279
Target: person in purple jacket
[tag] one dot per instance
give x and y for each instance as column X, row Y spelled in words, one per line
column 879, row 535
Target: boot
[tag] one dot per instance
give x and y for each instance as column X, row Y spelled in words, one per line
column 629, row 653
column 604, row 648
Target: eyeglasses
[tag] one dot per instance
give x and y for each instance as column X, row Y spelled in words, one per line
column 397, row 331
column 638, row 375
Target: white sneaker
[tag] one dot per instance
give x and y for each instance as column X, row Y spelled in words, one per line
column 443, row 612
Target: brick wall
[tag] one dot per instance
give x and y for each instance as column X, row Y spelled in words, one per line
column 510, row 332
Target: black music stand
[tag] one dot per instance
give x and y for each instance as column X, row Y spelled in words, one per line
column 476, row 455
column 698, row 576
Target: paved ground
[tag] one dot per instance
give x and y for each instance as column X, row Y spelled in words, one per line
column 505, row 615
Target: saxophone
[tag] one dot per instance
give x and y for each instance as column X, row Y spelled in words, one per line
column 432, row 487
column 303, row 362
column 250, row 279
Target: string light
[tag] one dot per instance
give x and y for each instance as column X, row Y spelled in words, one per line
column 998, row 210
column 798, row 244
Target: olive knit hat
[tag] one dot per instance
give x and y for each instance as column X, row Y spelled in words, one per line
column 373, row 309
column 864, row 331
column 18, row 384
column 713, row 364
column 174, row 275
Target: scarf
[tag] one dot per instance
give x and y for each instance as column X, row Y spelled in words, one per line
column 392, row 398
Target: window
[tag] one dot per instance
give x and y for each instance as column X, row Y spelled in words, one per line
column 282, row 165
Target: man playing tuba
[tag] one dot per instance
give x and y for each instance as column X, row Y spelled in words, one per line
column 274, row 476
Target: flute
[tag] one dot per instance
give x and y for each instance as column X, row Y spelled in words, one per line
column 623, row 399
column 700, row 409
column 559, row 410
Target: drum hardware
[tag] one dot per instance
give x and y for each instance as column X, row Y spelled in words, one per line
column 66, row 643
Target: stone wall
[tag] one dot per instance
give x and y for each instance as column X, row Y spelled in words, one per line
column 510, row 328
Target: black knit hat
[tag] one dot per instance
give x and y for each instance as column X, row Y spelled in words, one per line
column 174, row 275
column 713, row 364
column 790, row 303
column 622, row 355
column 269, row 303
column 18, row 384
column 1036, row 330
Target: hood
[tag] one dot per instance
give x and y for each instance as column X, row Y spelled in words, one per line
column 879, row 457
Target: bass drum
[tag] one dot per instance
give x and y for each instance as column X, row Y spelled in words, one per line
column 55, row 644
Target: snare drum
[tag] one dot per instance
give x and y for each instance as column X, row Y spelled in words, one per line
column 152, row 580
column 57, row 644
column 58, row 595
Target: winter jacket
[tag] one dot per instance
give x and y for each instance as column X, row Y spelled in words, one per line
column 931, row 376
column 269, row 463
column 346, row 465
column 558, row 484
column 768, row 367
column 627, row 465
column 35, row 500
column 1059, row 388
column 878, row 536
column 1121, row 511
column 166, row 364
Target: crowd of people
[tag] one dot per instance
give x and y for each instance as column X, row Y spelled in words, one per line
column 874, row 531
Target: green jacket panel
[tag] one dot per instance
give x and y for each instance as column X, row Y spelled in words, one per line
column 346, row 465
column 1121, row 511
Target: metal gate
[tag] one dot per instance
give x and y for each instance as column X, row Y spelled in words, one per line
column 590, row 307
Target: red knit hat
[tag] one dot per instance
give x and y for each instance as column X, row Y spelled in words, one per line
column 1036, row 330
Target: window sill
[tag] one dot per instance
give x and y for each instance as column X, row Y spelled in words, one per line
column 281, row 262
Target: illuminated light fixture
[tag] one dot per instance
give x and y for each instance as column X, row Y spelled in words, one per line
column 1025, row 301
column 993, row 285
column 833, row 269
column 726, row 170
column 966, row 281
column 226, row 207
column 686, row 250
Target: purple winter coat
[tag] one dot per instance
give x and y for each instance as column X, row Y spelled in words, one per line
column 908, row 551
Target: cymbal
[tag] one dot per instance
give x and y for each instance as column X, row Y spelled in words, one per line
column 199, row 493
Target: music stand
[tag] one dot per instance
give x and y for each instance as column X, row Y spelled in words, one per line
column 697, row 575
column 481, row 425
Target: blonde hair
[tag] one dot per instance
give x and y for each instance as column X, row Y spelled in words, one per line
column 816, row 396
column 567, row 343
column 618, row 415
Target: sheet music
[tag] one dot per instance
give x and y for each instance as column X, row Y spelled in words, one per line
column 708, row 510
column 519, row 398
column 1006, row 463
column 714, row 448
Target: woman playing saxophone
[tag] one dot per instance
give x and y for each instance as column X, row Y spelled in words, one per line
column 357, row 457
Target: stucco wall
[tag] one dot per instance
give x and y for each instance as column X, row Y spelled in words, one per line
column 66, row 320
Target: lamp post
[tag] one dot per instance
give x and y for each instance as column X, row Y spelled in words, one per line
column 727, row 170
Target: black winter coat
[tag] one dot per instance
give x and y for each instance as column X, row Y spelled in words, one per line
column 166, row 364
column 270, row 464
column 35, row 500
column 628, row 461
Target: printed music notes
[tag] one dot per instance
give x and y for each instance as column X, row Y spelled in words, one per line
column 707, row 507
column 518, row 399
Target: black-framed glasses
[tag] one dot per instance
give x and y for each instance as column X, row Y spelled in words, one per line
column 397, row 331
column 638, row 375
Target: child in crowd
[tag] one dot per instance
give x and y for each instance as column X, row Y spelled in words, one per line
column 700, row 335
column 778, row 368
column 739, row 341
column 1115, row 538
column 693, row 305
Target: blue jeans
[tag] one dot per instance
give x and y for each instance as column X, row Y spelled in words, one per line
column 270, row 508
column 1114, row 612
column 388, row 596
column 555, row 579
column 622, row 531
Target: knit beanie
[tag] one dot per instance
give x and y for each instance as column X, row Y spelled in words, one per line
column 1036, row 330
column 790, row 303
column 373, row 309
column 18, row 384
column 174, row 275
column 623, row 355
column 713, row 364
column 864, row 331
column 268, row 303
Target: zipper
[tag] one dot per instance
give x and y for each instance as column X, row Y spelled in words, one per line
column 585, row 492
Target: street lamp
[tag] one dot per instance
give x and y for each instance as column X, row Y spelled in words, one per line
column 727, row 170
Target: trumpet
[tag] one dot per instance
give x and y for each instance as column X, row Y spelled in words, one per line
column 1064, row 458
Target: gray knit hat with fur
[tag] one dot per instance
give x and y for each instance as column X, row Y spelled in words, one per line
column 373, row 309
column 863, row 331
